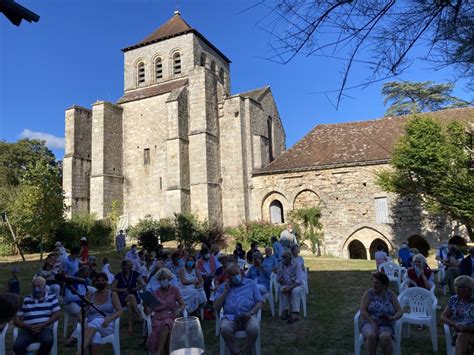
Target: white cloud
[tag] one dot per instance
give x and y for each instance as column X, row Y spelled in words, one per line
column 52, row 141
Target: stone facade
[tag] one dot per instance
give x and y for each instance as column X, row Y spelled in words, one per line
column 178, row 141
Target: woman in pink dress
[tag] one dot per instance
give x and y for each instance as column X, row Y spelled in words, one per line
column 170, row 306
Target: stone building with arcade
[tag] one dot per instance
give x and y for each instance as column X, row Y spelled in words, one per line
column 178, row 140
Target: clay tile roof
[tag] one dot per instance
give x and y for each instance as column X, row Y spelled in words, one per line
column 175, row 26
column 352, row 143
column 152, row 91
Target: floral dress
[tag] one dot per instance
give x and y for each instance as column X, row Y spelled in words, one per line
column 462, row 312
column 380, row 307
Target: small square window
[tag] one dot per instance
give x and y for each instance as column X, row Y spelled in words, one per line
column 146, row 157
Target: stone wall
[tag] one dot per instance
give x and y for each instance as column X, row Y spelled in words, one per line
column 77, row 159
column 346, row 197
column 106, row 170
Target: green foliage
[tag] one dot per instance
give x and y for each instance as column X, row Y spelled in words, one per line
column 309, row 218
column 114, row 215
column 432, row 164
column 413, row 97
column 189, row 230
column 38, row 208
column 147, row 230
column 98, row 232
column 258, row 232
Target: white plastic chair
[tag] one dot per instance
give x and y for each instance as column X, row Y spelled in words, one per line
column 147, row 319
column 306, row 285
column 449, row 340
column 302, row 300
column 269, row 297
column 35, row 346
column 240, row 334
column 274, row 286
column 421, row 305
column 393, row 271
column 2, row 338
column 359, row 339
column 113, row 338
column 406, row 283
column 442, row 276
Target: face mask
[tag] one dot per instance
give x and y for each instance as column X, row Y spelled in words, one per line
column 190, row 263
column 291, row 230
column 38, row 292
column 207, row 256
column 236, row 279
column 101, row 285
column 164, row 283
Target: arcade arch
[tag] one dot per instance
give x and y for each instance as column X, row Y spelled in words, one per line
column 369, row 238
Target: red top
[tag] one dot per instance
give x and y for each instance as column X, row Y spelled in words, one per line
column 85, row 253
column 418, row 279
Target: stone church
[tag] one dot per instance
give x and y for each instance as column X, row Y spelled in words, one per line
column 178, row 141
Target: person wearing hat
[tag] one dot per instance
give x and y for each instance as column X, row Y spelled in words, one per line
column 466, row 265
column 84, row 250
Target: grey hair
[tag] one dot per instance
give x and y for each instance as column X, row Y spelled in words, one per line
column 164, row 272
column 39, row 278
column 420, row 257
column 231, row 267
column 464, row 281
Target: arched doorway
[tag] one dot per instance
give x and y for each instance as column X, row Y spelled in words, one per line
column 374, row 245
column 276, row 212
column 357, row 250
column 415, row 241
column 457, row 240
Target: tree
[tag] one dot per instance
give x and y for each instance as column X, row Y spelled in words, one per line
column 431, row 163
column 39, row 206
column 379, row 34
column 413, row 97
column 312, row 227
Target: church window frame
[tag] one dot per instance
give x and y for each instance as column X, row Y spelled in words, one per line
column 158, row 68
column 271, row 156
column 146, row 156
column 276, row 212
column 177, row 68
column 141, row 72
column 213, row 67
column 203, row 59
column 221, row 75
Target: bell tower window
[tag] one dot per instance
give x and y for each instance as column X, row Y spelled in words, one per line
column 213, row 67
column 202, row 63
column 176, row 63
column 158, row 68
column 141, row 73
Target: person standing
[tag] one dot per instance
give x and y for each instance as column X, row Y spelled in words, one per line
column 466, row 267
column 120, row 242
column 277, row 248
column 287, row 238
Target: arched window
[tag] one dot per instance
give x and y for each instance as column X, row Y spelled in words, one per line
column 221, row 75
column 141, row 73
column 177, row 63
column 270, row 139
column 202, row 63
column 276, row 212
column 158, row 68
column 213, row 66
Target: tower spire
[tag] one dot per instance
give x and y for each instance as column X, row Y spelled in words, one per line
column 176, row 12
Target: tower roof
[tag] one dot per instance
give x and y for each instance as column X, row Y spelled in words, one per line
column 175, row 26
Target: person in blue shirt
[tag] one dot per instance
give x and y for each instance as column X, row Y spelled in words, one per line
column 258, row 273
column 71, row 264
column 404, row 256
column 241, row 300
column 277, row 248
column 270, row 263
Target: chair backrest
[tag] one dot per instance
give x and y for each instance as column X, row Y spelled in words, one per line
column 390, row 269
column 420, row 301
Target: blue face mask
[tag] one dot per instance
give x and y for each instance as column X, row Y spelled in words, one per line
column 164, row 283
column 236, row 279
column 190, row 263
column 38, row 292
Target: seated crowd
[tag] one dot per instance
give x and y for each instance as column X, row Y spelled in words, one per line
column 234, row 285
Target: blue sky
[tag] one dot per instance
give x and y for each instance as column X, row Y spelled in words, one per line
column 72, row 56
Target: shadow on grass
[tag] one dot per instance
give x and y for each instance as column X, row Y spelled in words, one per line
column 336, row 287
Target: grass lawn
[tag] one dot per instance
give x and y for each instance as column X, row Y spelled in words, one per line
column 336, row 287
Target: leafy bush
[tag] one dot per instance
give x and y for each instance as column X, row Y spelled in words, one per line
column 189, row 230
column 309, row 218
column 98, row 232
column 258, row 232
column 147, row 230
